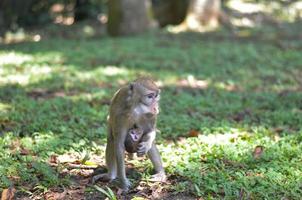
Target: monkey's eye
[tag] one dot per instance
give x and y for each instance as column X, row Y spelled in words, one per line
column 150, row 96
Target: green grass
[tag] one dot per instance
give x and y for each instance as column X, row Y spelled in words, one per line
column 54, row 99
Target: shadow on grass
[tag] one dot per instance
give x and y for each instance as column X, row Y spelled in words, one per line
column 245, row 89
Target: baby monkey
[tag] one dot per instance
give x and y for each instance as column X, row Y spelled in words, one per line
column 133, row 139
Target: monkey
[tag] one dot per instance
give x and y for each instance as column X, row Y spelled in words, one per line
column 135, row 104
column 133, row 139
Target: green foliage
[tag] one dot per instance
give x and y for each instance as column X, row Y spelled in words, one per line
column 236, row 94
column 39, row 12
column 108, row 192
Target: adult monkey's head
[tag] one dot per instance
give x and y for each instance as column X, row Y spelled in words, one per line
column 147, row 94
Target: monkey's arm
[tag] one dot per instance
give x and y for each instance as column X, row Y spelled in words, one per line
column 146, row 143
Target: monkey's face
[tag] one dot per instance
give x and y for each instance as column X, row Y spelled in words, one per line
column 147, row 95
column 151, row 99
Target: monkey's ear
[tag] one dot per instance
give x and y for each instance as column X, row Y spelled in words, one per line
column 130, row 91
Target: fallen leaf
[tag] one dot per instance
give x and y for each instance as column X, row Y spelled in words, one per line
column 55, row 195
column 8, row 194
column 53, row 159
column 193, row 133
column 203, row 158
column 15, row 144
column 279, row 130
column 24, row 151
column 156, row 191
column 14, row 178
column 258, row 151
column 91, row 163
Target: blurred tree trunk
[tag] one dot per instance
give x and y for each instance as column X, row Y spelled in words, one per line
column 11, row 12
column 203, row 14
column 2, row 25
column 127, row 17
column 81, row 10
column 170, row 11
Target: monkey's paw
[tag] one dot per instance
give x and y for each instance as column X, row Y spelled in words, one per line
column 159, row 177
column 101, row 177
column 125, row 184
column 143, row 148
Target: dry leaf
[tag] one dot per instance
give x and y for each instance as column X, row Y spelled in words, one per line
column 8, row 194
column 53, row 159
column 24, row 151
column 258, row 151
column 156, row 191
column 278, row 129
column 193, row 133
column 55, row 195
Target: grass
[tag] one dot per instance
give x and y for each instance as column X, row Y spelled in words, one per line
column 232, row 95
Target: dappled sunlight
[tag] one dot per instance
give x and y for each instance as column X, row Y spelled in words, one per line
column 268, row 81
column 276, row 10
column 17, row 78
column 25, row 69
column 66, row 147
column 99, row 95
column 179, row 29
column 229, row 161
column 113, row 71
column 40, row 70
column 229, row 86
column 245, row 22
column 100, row 74
column 246, row 7
column 221, row 139
column 220, row 98
column 296, row 8
column 32, row 74
column 19, row 37
column 192, row 82
column 26, row 59
column 4, row 107
column 13, row 58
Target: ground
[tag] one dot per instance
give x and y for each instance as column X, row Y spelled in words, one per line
column 230, row 121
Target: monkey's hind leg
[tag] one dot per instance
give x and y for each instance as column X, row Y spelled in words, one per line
column 110, row 163
column 160, row 175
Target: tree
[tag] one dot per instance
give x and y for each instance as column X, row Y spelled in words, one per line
column 170, row 11
column 126, row 17
column 81, row 10
column 202, row 14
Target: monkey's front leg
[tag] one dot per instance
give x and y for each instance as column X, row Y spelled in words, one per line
column 146, row 143
column 119, row 148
